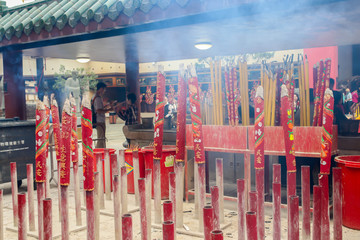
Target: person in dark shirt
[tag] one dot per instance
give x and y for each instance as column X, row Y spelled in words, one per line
column 129, row 114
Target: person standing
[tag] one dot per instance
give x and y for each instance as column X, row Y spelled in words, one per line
column 100, row 110
column 128, row 114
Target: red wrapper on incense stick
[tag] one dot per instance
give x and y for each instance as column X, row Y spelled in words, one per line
column 259, row 128
column 74, row 137
column 40, row 132
column 66, row 145
column 196, row 116
column 159, row 116
column 88, row 154
column 181, row 119
column 47, row 111
column 56, row 126
column 327, row 125
column 287, row 123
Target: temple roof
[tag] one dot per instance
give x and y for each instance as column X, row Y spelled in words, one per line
column 49, row 14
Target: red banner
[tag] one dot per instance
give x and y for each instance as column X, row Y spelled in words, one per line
column 74, row 137
column 40, row 132
column 327, row 126
column 159, row 116
column 181, row 119
column 288, row 124
column 259, row 128
column 65, row 149
column 56, row 126
column 196, row 117
column 88, row 154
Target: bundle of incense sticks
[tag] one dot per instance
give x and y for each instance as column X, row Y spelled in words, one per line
column 304, row 97
column 215, row 74
column 231, row 86
column 244, row 93
column 321, row 82
column 269, row 81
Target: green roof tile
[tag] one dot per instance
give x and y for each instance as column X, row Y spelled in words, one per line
column 45, row 14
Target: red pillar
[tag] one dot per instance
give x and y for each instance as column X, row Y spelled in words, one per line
column 47, row 218
column 126, row 227
column 208, row 221
column 168, row 230
column 14, row 191
column 251, row 226
column 241, row 206
column 294, row 218
column 337, row 207
column 305, row 201
column 22, row 216
column 14, row 84
column 276, row 211
column 217, row 235
column 317, row 213
column 216, row 206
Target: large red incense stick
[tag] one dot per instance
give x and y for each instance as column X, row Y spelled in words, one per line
column 30, row 191
column 14, row 191
column 148, row 182
column 325, row 163
column 305, row 201
column 126, row 227
column 259, row 158
column 197, row 138
column 241, row 206
column 180, row 146
column 287, row 123
column 40, row 159
column 57, row 139
column 337, row 205
column 124, row 190
column 216, row 206
column 65, row 167
column 22, row 228
column 208, row 222
column 88, row 165
column 47, row 126
column 75, row 160
column 316, row 233
column 158, row 138
column 47, row 218
column 326, row 140
column 325, row 72
column 294, row 218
